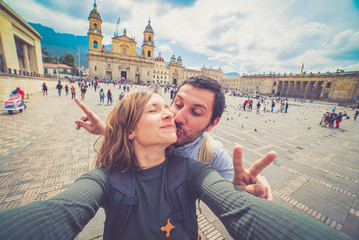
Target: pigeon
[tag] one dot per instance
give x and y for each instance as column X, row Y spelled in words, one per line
column 255, row 130
column 309, row 128
column 242, row 126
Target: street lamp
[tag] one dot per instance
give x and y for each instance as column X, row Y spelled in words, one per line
column 78, row 53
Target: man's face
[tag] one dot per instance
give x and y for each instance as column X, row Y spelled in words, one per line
column 192, row 108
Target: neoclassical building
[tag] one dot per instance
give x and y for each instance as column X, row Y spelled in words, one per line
column 338, row 86
column 122, row 61
column 20, row 45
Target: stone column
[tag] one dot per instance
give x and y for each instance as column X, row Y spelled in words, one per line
column 26, row 58
column 303, row 89
column 297, row 89
column 290, row 89
column 285, row 87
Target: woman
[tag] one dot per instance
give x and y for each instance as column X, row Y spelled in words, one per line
column 102, row 96
column 139, row 131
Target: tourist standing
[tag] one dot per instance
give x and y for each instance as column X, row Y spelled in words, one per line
column 356, row 115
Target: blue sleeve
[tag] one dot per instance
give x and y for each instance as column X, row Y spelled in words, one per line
column 222, row 162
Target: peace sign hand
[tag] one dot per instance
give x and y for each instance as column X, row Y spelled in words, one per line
column 250, row 180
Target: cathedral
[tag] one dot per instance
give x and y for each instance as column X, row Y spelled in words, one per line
column 123, row 62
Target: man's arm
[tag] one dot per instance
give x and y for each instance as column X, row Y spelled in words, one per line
column 95, row 126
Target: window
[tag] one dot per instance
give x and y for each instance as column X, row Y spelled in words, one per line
column 275, row 84
column 329, row 85
column 95, row 68
column 95, row 44
column 154, row 76
column 149, row 39
column 149, row 54
column 95, row 25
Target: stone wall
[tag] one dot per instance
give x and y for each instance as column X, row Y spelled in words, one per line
column 30, row 85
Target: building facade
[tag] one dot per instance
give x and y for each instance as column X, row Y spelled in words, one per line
column 58, row 70
column 122, row 61
column 339, row 86
column 20, row 45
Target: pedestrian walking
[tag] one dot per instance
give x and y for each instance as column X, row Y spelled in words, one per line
column 44, row 89
column 338, row 120
column 258, row 107
column 83, row 91
column 109, row 97
column 59, row 87
column 73, row 92
column 286, row 106
column 67, row 89
column 102, row 96
column 356, row 115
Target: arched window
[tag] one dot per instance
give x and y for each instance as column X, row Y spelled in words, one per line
column 95, row 25
column 149, row 54
column 95, row 44
column 149, row 39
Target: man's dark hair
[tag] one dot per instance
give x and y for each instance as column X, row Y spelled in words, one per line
column 204, row 82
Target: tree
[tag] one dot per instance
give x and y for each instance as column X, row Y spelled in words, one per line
column 69, row 59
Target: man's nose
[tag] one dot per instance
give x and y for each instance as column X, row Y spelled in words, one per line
column 180, row 117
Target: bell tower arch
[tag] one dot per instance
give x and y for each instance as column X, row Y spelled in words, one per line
column 95, row 34
column 148, row 42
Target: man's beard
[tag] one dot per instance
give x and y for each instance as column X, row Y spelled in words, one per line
column 187, row 138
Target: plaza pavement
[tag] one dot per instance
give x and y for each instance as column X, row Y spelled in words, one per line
column 316, row 172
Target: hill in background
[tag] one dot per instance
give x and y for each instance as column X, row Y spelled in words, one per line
column 58, row 44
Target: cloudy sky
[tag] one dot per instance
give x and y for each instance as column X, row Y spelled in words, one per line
column 243, row 36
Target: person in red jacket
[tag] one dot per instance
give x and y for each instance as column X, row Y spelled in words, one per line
column 21, row 92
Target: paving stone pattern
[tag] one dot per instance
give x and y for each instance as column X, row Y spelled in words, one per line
column 316, row 172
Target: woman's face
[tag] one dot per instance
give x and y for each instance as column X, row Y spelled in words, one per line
column 156, row 125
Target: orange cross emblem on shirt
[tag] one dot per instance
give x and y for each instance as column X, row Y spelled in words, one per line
column 168, row 228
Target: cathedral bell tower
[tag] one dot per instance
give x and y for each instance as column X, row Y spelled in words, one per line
column 95, row 34
column 148, row 45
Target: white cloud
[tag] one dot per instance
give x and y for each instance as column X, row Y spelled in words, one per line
column 238, row 35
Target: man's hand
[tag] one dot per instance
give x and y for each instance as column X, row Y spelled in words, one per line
column 250, row 180
column 96, row 125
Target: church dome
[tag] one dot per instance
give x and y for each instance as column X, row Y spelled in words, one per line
column 149, row 28
column 94, row 13
column 159, row 58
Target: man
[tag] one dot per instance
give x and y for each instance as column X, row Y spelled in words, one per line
column 198, row 106
column 59, row 87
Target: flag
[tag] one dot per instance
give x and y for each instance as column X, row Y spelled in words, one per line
column 301, row 70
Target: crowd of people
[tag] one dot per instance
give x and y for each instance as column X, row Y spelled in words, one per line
column 333, row 119
column 265, row 104
column 154, row 162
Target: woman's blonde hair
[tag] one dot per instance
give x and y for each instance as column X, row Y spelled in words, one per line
column 116, row 150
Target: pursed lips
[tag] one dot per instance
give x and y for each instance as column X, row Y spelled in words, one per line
column 168, row 126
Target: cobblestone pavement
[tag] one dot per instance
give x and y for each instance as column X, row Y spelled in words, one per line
column 316, row 172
